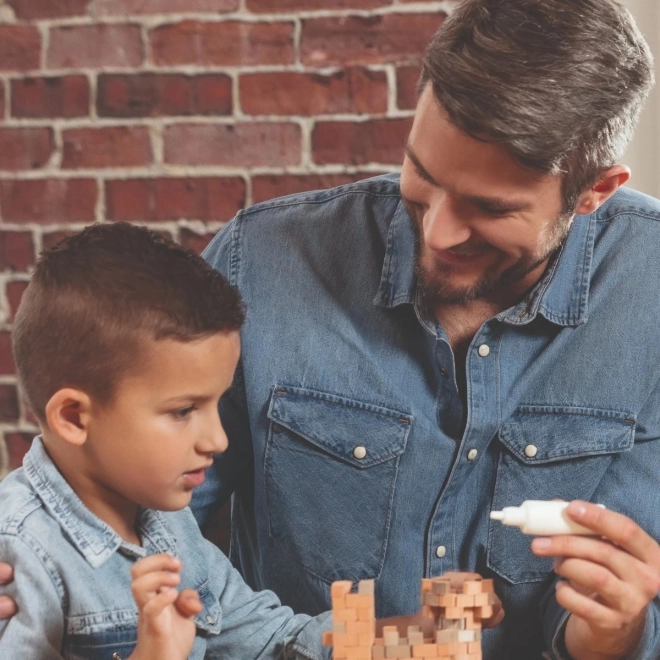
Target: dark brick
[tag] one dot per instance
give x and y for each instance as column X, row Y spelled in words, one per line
column 149, row 94
column 9, row 410
column 16, row 250
column 65, row 96
column 48, row 201
column 25, row 148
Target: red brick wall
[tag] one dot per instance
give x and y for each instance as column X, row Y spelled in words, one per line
column 177, row 113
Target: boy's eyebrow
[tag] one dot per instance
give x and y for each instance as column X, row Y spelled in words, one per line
column 492, row 203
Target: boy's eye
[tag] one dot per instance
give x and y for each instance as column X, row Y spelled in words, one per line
column 182, row 413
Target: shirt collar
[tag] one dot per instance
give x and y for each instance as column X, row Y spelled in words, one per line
column 95, row 540
column 561, row 296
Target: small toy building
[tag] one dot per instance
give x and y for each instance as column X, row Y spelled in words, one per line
column 456, row 603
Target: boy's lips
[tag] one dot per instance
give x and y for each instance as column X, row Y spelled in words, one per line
column 195, row 478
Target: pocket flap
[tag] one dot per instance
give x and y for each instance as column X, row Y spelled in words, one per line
column 210, row 618
column 338, row 425
column 542, row 434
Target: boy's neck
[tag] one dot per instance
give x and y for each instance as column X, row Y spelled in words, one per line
column 113, row 509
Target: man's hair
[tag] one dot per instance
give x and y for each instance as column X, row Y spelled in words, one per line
column 96, row 297
column 559, row 83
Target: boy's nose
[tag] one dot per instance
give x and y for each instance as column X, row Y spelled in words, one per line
column 215, row 440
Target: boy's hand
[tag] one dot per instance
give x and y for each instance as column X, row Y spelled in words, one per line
column 166, row 630
column 7, row 605
column 609, row 581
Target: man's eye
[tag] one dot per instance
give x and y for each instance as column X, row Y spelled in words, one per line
column 182, row 413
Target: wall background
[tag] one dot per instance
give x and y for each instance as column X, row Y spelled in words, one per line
column 177, row 113
column 643, row 155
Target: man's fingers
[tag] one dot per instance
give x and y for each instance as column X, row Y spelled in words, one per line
column 617, row 528
column 7, row 607
column 586, row 608
column 592, row 580
column 147, row 586
column 607, row 560
column 188, row 603
column 6, row 573
column 160, row 562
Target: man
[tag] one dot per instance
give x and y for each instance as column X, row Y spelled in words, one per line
column 418, row 352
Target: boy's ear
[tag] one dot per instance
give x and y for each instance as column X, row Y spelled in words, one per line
column 608, row 183
column 68, row 414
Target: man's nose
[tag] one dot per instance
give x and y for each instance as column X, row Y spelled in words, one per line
column 443, row 227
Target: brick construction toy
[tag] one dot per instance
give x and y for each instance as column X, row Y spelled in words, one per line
column 455, row 602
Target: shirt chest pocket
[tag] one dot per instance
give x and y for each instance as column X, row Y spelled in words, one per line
column 330, row 472
column 549, row 452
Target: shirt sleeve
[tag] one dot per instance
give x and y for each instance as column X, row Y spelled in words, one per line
column 629, row 486
column 256, row 626
column 39, row 623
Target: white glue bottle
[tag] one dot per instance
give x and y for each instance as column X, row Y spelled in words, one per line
column 541, row 518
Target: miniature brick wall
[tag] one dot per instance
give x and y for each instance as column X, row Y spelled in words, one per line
column 177, row 113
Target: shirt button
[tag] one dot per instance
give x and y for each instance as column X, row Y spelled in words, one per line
column 531, row 451
column 210, row 620
column 472, row 454
column 440, row 551
column 359, row 452
column 484, row 350
column 444, row 373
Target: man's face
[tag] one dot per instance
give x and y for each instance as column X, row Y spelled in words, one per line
column 152, row 443
column 486, row 225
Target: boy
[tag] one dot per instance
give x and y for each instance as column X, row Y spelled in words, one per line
column 124, row 344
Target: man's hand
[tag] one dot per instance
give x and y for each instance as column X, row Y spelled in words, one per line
column 166, row 630
column 7, row 605
column 609, row 581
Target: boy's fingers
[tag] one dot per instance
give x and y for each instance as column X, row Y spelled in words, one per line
column 6, row 573
column 147, row 586
column 188, row 603
column 156, row 605
column 496, row 618
column 159, row 562
column 7, row 607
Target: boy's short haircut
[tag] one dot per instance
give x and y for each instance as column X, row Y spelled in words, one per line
column 93, row 299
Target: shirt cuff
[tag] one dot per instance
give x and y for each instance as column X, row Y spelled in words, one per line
column 307, row 644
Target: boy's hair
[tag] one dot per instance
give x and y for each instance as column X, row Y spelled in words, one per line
column 94, row 297
column 560, row 83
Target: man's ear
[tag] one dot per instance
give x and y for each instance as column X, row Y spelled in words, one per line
column 608, row 183
column 68, row 415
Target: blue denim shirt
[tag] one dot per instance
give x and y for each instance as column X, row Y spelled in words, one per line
column 73, row 582
column 337, row 355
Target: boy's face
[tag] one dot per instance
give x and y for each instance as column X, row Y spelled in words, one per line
column 152, row 443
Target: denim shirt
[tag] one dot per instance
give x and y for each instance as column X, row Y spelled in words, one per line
column 73, row 582
column 337, row 355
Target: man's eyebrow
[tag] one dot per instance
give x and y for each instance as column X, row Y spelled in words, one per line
column 487, row 203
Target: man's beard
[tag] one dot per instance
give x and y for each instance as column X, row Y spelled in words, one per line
column 434, row 284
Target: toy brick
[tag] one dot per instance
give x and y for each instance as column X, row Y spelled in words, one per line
column 378, row 652
column 366, row 587
column 359, row 600
column 347, row 639
column 356, row 627
column 366, row 639
column 473, row 587
column 358, row 654
column 465, row 600
column 398, row 651
column 441, row 587
column 390, row 635
column 344, row 615
column 340, row 588
column 327, row 638
column 427, row 584
column 486, row 612
column 446, row 636
column 454, row 612
column 488, row 585
column 415, row 637
column 424, row 651
column 339, row 627
column 366, row 614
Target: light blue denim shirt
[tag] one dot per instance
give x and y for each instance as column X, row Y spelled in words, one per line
column 337, row 355
column 73, row 582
